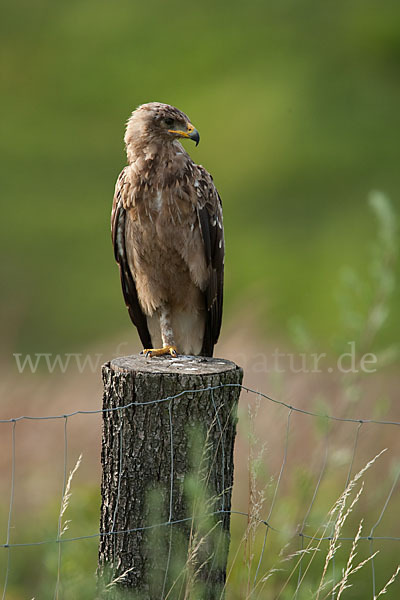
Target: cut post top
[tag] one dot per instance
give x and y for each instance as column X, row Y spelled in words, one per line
column 185, row 365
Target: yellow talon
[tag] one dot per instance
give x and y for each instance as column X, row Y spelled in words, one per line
column 167, row 350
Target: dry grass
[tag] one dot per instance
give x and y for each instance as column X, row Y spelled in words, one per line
column 63, row 526
column 51, row 394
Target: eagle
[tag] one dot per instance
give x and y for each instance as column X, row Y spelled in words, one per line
column 168, row 236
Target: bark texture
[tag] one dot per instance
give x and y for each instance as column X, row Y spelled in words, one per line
column 167, row 475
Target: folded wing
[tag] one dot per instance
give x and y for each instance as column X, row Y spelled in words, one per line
column 209, row 211
column 118, row 222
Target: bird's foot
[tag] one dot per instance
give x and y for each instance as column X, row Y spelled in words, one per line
column 167, row 350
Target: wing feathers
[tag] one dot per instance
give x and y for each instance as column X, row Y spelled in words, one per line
column 210, row 220
column 209, row 213
column 118, row 220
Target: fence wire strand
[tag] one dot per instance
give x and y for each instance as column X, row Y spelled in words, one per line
column 59, row 540
column 59, row 525
column 171, row 492
column 7, row 545
column 314, row 496
column 196, row 391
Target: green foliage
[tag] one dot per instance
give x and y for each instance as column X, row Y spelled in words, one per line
column 296, row 106
column 365, row 302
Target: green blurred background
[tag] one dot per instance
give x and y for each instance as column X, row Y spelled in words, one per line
column 298, row 108
column 297, row 104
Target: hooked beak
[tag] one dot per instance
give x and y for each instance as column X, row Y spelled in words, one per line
column 191, row 133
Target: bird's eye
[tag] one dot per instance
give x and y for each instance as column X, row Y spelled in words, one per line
column 169, row 122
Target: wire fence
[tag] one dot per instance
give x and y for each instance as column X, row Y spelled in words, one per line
column 268, row 523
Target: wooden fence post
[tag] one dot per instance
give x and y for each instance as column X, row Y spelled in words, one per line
column 151, row 532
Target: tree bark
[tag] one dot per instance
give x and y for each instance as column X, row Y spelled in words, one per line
column 169, row 428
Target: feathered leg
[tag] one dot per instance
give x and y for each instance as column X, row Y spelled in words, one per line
column 167, row 336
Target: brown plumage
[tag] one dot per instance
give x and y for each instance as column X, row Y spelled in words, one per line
column 168, row 236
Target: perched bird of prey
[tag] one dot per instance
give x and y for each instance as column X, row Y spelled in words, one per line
column 168, row 236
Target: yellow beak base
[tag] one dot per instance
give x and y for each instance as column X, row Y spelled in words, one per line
column 191, row 133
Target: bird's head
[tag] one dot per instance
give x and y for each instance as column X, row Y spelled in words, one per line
column 156, row 122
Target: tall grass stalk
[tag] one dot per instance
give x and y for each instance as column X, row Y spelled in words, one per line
column 338, row 508
column 63, row 526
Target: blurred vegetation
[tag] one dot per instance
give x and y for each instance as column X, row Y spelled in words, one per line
column 296, row 498
column 259, row 566
column 297, row 105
